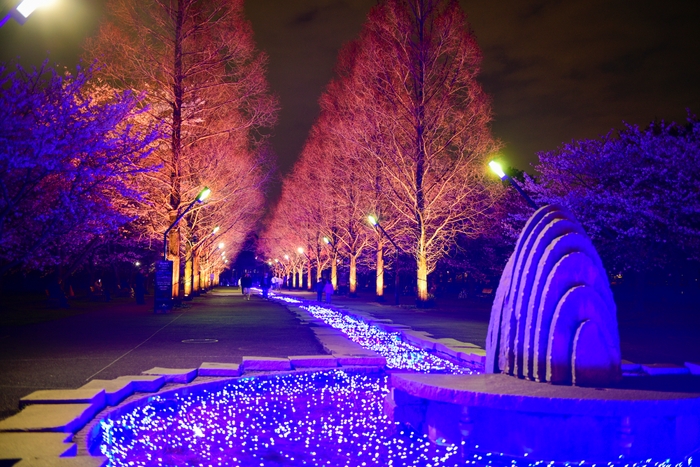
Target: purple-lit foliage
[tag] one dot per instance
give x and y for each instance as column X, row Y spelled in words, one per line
column 67, row 163
column 637, row 192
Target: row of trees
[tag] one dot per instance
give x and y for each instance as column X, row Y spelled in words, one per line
column 201, row 118
column 403, row 135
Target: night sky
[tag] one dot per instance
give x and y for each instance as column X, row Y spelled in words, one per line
column 556, row 70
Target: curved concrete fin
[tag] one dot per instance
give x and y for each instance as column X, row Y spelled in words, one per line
column 580, row 304
column 554, row 229
column 510, row 316
column 555, row 251
column 493, row 336
column 572, row 270
column 592, row 365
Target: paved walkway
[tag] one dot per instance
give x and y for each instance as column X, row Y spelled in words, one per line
column 122, row 338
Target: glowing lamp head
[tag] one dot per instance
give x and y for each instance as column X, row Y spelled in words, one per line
column 496, row 168
column 216, row 230
column 300, row 250
column 327, row 240
column 286, row 257
column 137, row 264
column 204, row 194
column 372, row 220
column 221, row 245
column 27, row 7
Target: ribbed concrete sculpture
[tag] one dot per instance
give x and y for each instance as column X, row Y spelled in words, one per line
column 553, row 317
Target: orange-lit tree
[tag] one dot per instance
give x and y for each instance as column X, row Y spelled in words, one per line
column 411, row 102
column 206, row 81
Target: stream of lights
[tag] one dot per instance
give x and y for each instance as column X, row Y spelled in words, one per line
column 325, row 418
column 399, row 355
column 329, row 418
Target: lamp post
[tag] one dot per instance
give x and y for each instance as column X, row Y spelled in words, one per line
column 375, row 223
column 496, row 168
column 21, row 12
column 163, row 296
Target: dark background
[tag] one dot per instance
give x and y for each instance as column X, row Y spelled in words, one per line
column 556, row 70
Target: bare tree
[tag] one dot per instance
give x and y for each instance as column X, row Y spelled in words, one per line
column 415, row 106
column 205, row 80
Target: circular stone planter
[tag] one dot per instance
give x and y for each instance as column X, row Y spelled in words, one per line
column 503, row 414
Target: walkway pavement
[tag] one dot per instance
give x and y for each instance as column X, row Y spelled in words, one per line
column 122, row 338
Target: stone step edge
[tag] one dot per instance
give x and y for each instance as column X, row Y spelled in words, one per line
column 132, row 402
column 466, row 353
column 170, row 379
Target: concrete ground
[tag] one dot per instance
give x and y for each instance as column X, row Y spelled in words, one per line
column 53, row 349
column 107, row 340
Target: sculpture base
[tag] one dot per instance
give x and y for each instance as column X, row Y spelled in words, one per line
column 502, row 414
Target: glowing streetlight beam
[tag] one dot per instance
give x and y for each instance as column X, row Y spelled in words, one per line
column 221, row 245
column 372, row 220
column 300, row 250
column 497, row 169
column 204, row 194
column 27, row 7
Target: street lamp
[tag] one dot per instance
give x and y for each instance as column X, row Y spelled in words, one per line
column 201, row 197
column 375, row 223
column 333, row 261
column 164, row 271
column 496, row 168
column 22, row 11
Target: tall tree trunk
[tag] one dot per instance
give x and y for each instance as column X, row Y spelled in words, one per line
column 334, row 269
column 308, row 276
column 422, row 267
column 176, row 144
column 195, row 272
column 380, row 270
column 189, row 273
column 301, row 277
column 353, row 275
column 422, row 277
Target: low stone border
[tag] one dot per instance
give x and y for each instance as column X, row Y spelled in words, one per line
column 337, row 344
column 44, row 431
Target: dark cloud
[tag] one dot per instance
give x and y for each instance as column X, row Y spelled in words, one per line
column 563, row 70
